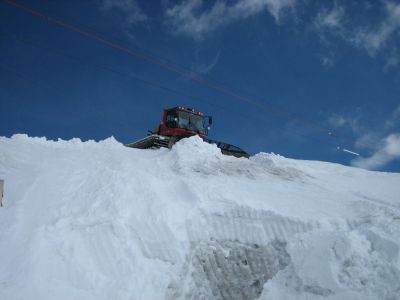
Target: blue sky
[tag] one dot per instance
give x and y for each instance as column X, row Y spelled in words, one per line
column 298, row 70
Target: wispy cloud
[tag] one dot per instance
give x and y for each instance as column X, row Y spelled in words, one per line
column 327, row 61
column 374, row 39
column 368, row 140
column 381, row 141
column 351, row 122
column 330, row 19
column 393, row 60
column 131, row 9
column 335, row 21
column 204, row 68
column 343, row 23
column 394, row 119
column 387, row 151
column 191, row 19
column 337, row 121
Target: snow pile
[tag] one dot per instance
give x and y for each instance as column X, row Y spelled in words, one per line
column 88, row 220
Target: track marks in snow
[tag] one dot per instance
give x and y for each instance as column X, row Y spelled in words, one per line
column 228, row 270
column 384, row 219
column 105, row 222
column 247, row 225
column 235, row 252
column 157, row 241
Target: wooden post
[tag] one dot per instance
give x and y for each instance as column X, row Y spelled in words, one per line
column 1, row 192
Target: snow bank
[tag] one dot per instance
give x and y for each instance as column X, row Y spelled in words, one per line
column 97, row 220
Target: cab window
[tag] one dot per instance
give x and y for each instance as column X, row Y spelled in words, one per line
column 171, row 119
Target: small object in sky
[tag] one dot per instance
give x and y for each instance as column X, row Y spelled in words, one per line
column 351, row 152
column 1, row 192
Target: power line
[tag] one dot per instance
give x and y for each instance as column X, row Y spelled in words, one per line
column 175, row 69
column 111, row 70
column 178, row 70
column 104, row 67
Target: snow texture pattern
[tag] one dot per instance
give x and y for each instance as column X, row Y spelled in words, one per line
column 97, row 220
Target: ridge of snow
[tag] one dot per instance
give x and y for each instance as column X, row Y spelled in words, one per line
column 97, row 220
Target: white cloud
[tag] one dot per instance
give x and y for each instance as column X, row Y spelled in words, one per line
column 330, row 18
column 371, row 37
column 368, row 140
column 352, row 122
column 393, row 60
column 337, row 120
column 373, row 40
column 388, row 151
column 329, row 22
column 204, row 68
column 133, row 12
column 188, row 18
column 395, row 118
column 327, row 61
column 365, row 136
column 275, row 7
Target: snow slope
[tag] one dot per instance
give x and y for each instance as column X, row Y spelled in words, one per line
column 97, row 220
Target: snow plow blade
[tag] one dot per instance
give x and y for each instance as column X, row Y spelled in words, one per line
column 229, row 149
column 152, row 141
column 155, row 141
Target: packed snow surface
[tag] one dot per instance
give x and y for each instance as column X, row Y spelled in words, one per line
column 97, row 220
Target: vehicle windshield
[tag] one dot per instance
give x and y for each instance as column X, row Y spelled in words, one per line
column 190, row 121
